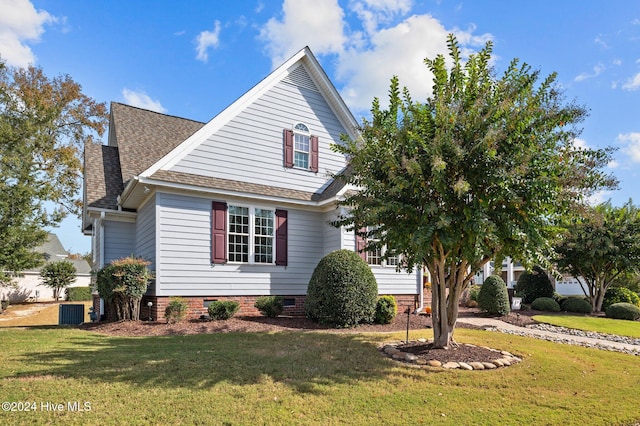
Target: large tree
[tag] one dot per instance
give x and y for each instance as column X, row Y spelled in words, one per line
column 600, row 247
column 484, row 169
column 43, row 125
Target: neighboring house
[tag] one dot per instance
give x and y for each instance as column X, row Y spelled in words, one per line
column 29, row 286
column 235, row 208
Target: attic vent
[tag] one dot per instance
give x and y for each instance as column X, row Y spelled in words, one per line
column 299, row 77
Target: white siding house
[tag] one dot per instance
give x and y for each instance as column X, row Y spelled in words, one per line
column 238, row 207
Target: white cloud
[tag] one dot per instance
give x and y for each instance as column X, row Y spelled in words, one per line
column 597, row 70
column 374, row 12
column 633, row 83
column 631, row 145
column 599, row 197
column 20, row 23
column 613, row 164
column 318, row 24
column 141, row 100
column 580, row 144
column 207, row 39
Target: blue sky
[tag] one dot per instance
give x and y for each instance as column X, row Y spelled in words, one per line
column 192, row 59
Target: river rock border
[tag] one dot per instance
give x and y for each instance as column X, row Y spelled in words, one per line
column 503, row 358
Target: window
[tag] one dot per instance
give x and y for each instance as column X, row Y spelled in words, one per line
column 375, row 256
column 263, row 239
column 238, row 234
column 301, row 146
column 261, row 233
column 246, row 234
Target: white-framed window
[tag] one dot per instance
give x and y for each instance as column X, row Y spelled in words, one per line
column 251, row 234
column 301, row 146
column 375, row 256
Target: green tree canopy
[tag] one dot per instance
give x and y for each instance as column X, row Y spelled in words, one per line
column 43, row 125
column 485, row 168
column 600, row 247
column 58, row 275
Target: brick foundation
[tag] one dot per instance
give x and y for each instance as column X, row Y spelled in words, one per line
column 197, row 305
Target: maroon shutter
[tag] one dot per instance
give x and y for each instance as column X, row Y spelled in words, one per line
column 361, row 243
column 314, row 154
column 288, row 147
column 219, row 232
column 281, row 237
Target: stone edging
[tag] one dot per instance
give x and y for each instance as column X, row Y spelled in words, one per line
column 503, row 358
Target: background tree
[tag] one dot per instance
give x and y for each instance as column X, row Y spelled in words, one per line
column 483, row 169
column 58, row 275
column 43, row 125
column 600, row 247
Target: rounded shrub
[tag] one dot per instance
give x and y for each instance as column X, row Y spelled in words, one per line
column 534, row 284
column 270, row 306
column 78, row 294
column 493, row 296
column 576, row 304
column 625, row 311
column 342, row 291
column 386, row 309
column 176, row 310
column 546, row 304
column 619, row 295
column 223, row 309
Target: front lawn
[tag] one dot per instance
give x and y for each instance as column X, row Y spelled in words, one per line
column 303, row 378
column 597, row 324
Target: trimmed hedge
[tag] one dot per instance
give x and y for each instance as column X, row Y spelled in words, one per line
column 78, row 294
column 493, row 296
column 386, row 309
column 546, row 304
column 343, row 291
column 619, row 295
column 576, row 304
column 624, row 311
column 270, row 306
column 534, row 284
column 223, row 309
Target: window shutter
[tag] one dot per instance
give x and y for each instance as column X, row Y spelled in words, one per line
column 281, row 237
column 288, row 147
column 361, row 243
column 314, row 154
column 219, row 232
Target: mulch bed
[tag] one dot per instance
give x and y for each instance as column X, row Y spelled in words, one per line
column 457, row 353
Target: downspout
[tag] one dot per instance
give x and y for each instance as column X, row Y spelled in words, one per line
column 101, row 259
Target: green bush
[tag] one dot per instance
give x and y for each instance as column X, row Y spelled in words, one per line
column 576, row 304
column 559, row 298
column 474, row 290
column 223, row 309
column 546, row 304
column 619, row 295
column 343, row 291
column 625, row 311
column 493, row 296
column 121, row 284
column 78, row 294
column 534, row 284
column 386, row 309
column 176, row 310
column 270, row 306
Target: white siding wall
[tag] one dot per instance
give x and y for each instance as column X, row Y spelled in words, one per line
column 146, row 232
column 183, row 264
column 333, row 235
column 119, row 240
column 97, row 245
column 250, row 147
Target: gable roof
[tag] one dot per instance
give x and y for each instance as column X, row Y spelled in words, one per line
column 54, row 251
column 287, row 70
column 144, row 144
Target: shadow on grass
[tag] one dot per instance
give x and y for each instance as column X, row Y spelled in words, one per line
column 304, row 361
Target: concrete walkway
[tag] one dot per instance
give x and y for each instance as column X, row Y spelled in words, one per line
column 548, row 335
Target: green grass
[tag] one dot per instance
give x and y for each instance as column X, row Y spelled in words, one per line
column 305, row 378
column 598, row 324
